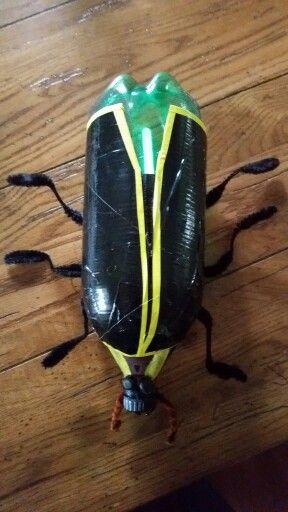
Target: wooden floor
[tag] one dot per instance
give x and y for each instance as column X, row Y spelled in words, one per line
column 57, row 452
column 258, row 484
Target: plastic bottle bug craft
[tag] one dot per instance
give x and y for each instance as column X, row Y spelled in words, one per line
column 143, row 234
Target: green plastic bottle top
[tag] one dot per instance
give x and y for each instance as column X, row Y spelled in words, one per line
column 146, row 108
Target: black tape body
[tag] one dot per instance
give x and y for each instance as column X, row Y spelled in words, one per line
column 182, row 232
column 112, row 278
column 112, row 274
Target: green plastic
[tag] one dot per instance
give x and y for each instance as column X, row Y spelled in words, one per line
column 146, row 107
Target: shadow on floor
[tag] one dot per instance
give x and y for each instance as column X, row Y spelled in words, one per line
column 199, row 497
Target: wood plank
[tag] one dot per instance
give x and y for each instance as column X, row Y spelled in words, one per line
column 32, row 219
column 11, row 12
column 54, row 427
column 53, row 65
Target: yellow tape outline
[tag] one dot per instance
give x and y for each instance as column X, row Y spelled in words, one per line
column 126, row 136
column 156, row 255
column 103, row 111
column 156, row 251
column 119, row 113
column 153, row 368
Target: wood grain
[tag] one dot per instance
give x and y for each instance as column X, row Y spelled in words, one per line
column 12, row 11
column 56, row 422
column 53, row 65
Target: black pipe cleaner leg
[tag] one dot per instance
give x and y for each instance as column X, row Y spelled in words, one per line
column 222, row 370
column 30, row 256
column 41, row 180
column 58, row 353
column 247, row 222
column 259, row 167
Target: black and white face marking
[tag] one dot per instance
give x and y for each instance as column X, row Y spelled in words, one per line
column 139, row 394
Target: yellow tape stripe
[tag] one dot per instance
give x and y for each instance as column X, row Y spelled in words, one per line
column 156, row 255
column 103, row 111
column 187, row 113
column 151, row 353
column 125, row 134
column 153, row 368
column 120, row 359
column 156, row 365
column 118, row 110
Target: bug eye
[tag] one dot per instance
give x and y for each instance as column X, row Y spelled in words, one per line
column 128, row 382
column 146, row 385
